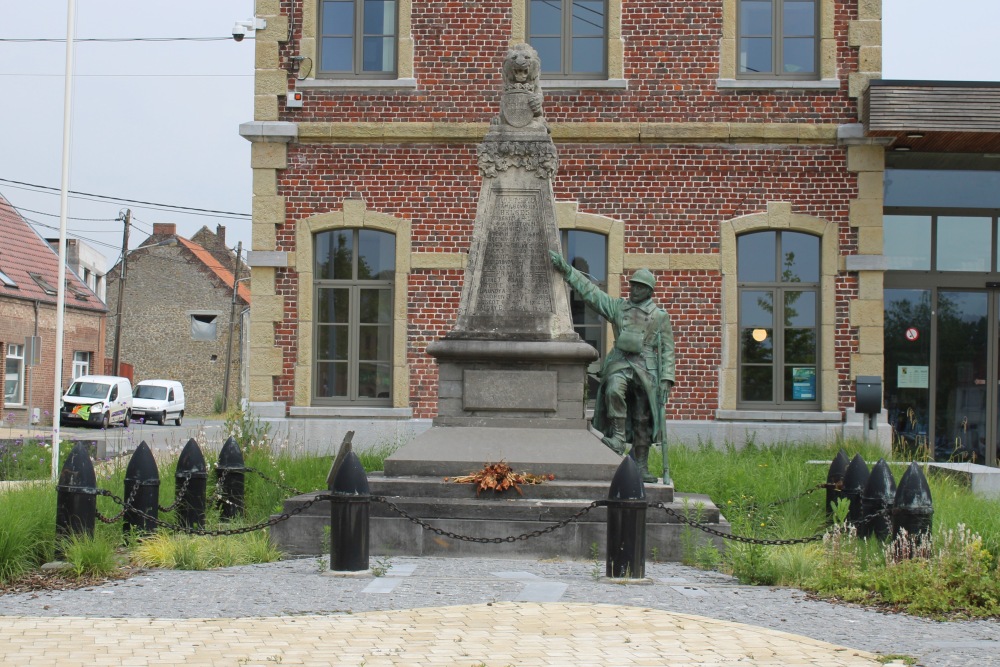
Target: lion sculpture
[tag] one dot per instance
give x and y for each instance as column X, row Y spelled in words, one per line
column 521, row 71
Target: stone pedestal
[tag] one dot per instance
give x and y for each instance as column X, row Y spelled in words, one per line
column 512, row 371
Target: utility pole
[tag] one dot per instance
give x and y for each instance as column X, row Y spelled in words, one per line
column 232, row 326
column 116, row 359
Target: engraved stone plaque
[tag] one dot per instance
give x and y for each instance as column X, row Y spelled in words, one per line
column 530, row 391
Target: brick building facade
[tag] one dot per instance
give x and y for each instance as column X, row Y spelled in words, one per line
column 670, row 152
column 177, row 314
column 29, row 274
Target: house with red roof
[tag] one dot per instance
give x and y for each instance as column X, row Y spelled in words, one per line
column 29, row 278
column 179, row 316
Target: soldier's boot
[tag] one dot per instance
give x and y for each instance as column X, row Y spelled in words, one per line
column 642, row 460
column 615, row 438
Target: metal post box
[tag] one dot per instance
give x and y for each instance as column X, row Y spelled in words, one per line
column 868, row 394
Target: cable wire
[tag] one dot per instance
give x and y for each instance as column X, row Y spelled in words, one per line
column 137, row 202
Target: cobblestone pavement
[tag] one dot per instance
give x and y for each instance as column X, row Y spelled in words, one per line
column 465, row 612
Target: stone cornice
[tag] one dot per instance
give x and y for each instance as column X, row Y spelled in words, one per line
column 612, row 133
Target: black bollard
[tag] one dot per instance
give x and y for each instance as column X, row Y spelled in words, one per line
column 626, row 549
column 191, row 480
column 835, row 480
column 913, row 509
column 854, row 483
column 142, row 491
column 349, row 512
column 877, row 500
column 76, row 495
column 230, row 476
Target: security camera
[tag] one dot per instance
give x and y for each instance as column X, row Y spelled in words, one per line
column 241, row 28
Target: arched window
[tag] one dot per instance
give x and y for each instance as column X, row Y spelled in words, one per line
column 353, row 280
column 778, row 274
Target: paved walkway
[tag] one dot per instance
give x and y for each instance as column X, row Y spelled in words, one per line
column 465, row 612
column 509, row 633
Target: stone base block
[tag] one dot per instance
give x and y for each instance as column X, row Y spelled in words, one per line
column 445, row 451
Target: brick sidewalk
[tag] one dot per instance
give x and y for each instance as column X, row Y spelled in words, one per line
column 492, row 635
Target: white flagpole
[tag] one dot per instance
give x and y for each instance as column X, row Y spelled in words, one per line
column 63, row 207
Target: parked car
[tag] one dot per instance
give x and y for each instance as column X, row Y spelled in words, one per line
column 97, row 400
column 159, row 400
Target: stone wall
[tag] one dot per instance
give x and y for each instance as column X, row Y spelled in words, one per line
column 166, row 285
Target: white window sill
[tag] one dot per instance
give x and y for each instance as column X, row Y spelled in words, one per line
column 778, row 416
column 584, row 84
column 355, row 84
column 350, row 412
column 778, row 84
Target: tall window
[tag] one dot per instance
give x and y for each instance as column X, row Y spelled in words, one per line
column 587, row 252
column 81, row 364
column 570, row 36
column 778, row 278
column 778, row 39
column 357, row 38
column 354, row 272
column 13, row 384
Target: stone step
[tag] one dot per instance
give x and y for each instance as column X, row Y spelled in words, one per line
column 437, row 487
column 505, row 520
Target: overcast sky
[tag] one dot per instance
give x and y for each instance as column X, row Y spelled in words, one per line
column 158, row 121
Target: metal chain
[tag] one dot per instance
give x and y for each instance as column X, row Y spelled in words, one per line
column 736, row 538
column 219, row 533
column 839, row 486
column 178, row 496
column 488, row 540
column 284, row 487
column 125, row 505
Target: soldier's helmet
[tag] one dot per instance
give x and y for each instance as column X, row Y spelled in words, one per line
column 644, row 277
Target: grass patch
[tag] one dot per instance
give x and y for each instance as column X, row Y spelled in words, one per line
column 953, row 574
column 197, row 552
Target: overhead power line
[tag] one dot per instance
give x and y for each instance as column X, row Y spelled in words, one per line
column 56, row 40
column 137, row 202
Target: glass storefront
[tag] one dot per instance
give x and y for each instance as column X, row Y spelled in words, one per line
column 942, row 313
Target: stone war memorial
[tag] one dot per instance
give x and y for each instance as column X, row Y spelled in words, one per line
column 512, row 374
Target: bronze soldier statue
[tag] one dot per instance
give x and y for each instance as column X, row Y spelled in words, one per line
column 636, row 377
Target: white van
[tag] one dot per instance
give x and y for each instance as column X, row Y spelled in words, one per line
column 159, row 400
column 97, row 400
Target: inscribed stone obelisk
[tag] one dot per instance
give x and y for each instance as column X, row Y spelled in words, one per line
column 512, row 370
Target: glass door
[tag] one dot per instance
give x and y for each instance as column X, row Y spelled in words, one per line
column 942, row 371
column 963, row 322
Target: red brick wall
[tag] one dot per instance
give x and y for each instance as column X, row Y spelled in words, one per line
column 671, row 64
column 671, row 199
column 83, row 331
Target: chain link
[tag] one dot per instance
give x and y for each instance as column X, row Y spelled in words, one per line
column 839, row 486
column 118, row 501
column 736, row 538
column 487, row 540
column 218, row 533
column 284, row 487
column 178, row 495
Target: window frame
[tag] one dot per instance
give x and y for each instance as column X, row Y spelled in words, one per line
column 214, row 322
column 777, row 38
column 566, row 43
column 14, row 352
column 357, row 37
column 354, row 287
column 778, row 288
column 601, row 327
column 81, row 360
